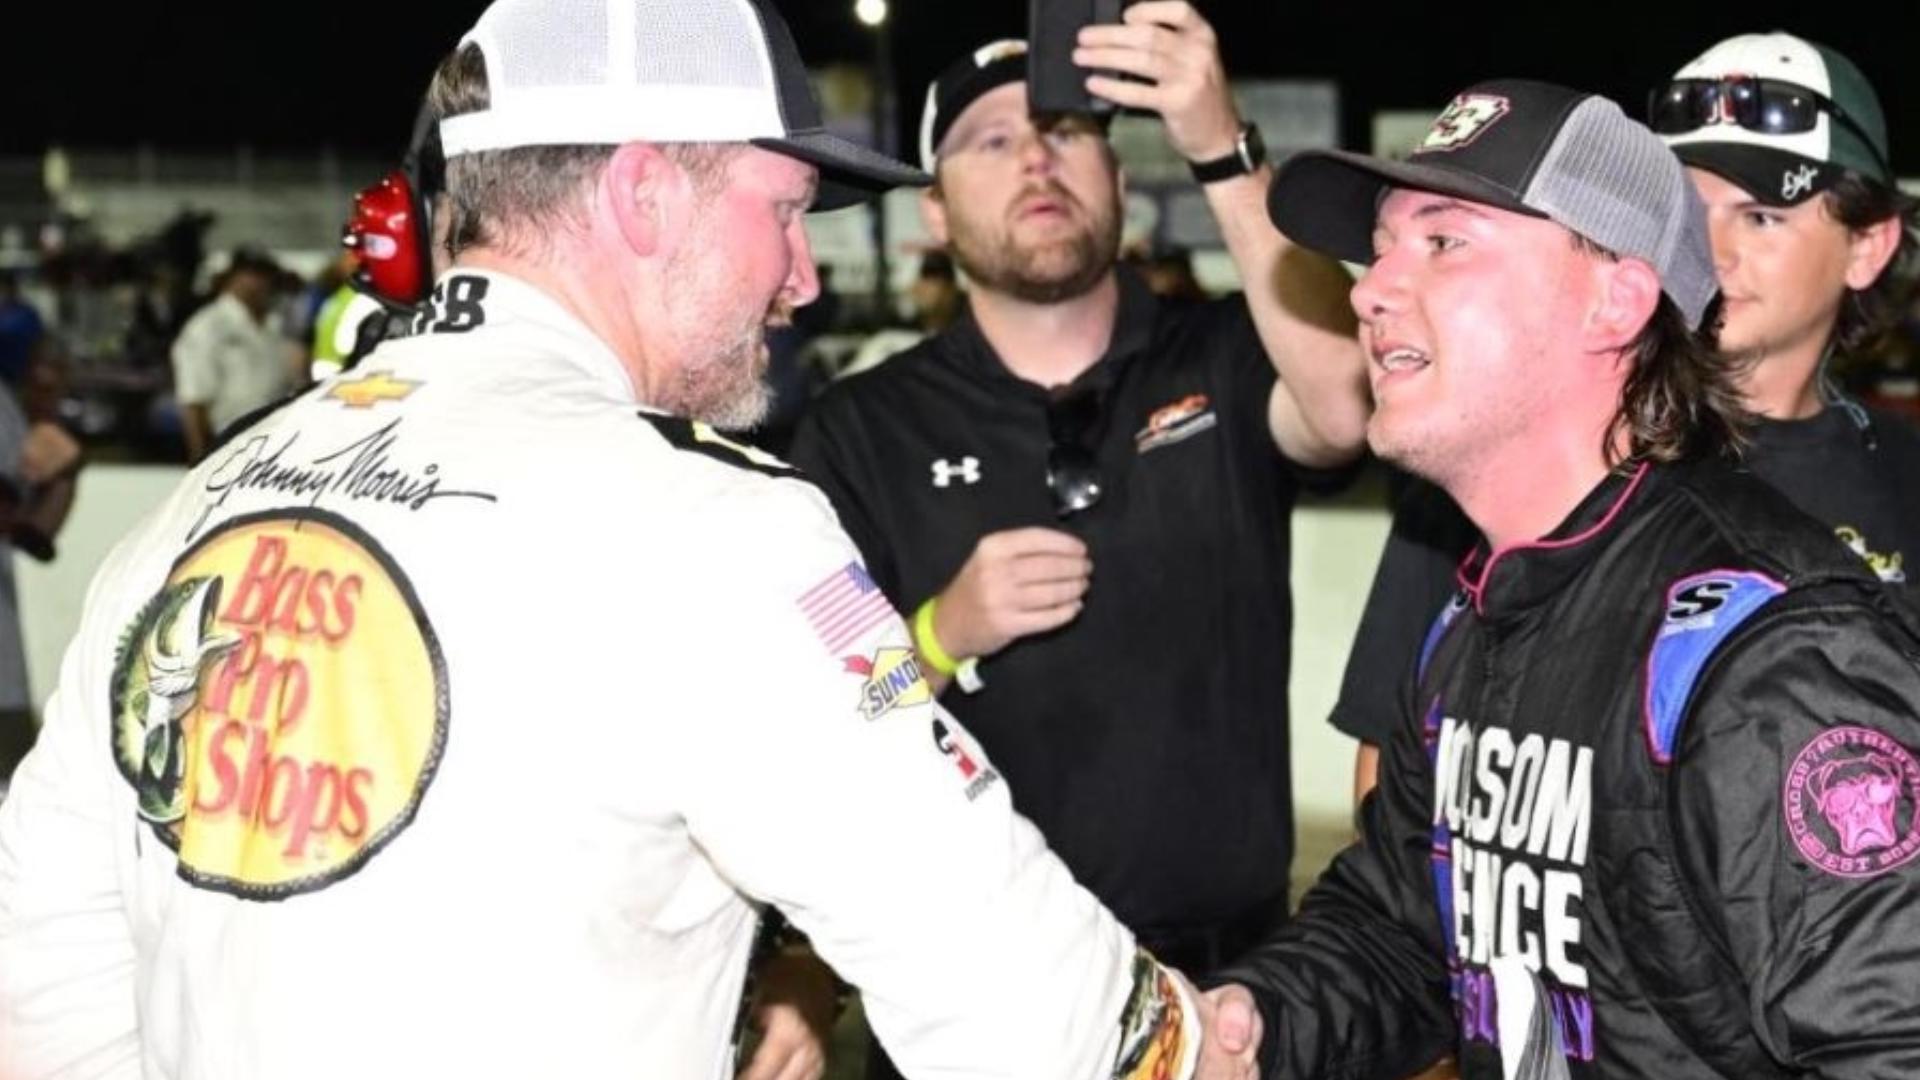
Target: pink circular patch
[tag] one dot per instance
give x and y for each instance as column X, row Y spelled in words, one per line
column 1852, row 802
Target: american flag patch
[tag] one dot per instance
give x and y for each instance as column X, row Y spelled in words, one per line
column 845, row 606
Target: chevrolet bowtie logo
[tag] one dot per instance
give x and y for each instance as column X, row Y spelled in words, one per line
column 968, row 471
column 371, row 389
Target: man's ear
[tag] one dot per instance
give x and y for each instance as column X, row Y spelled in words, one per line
column 643, row 192
column 1628, row 296
column 1870, row 249
column 933, row 213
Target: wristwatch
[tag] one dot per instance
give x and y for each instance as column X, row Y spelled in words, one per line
column 1249, row 153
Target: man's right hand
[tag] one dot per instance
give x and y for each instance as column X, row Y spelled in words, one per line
column 1230, row 1035
column 1016, row 582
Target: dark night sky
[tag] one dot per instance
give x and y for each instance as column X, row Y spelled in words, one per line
column 286, row 76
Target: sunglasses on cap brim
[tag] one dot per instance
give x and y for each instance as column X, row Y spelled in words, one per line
column 1767, row 106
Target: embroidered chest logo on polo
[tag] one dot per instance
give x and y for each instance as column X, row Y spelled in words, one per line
column 967, row 471
column 1175, row 422
column 1465, row 119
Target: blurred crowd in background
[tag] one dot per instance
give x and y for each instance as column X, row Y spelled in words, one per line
column 88, row 331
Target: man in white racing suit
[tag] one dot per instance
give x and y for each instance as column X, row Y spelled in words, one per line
column 452, row 720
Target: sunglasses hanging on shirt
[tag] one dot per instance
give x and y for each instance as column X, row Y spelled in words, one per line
column 1073, row 473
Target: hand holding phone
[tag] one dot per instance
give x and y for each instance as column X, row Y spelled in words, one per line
column 1167, row 61
column 1055, row 84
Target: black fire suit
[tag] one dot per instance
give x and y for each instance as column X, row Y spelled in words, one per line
column 1654, row 812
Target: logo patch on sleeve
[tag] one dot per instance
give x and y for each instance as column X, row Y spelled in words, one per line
column 893, row 679
column 966, row 757
column 280, row 705
column 1852, row 803
column 1702, row 611
column 1158, row 1039
column 844, row 607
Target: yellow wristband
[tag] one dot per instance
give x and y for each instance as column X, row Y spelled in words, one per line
column 929, row 645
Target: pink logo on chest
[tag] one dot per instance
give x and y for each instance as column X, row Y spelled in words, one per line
column 1852, row 802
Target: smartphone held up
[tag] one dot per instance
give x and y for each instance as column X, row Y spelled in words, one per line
column 1055, row 84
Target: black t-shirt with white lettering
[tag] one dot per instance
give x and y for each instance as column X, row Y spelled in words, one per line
column 1148, row 738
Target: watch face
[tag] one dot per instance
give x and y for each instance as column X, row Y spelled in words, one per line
column 1253, row 149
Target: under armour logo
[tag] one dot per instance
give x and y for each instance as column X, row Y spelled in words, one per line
column 944, row 471
column 1796, row 183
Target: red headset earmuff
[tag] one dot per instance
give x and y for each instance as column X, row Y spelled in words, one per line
column 384, row 232
column 391, row 227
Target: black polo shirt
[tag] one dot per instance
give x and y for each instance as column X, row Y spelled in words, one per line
column 1147, row 738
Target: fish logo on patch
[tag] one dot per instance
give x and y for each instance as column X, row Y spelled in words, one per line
column 279, row 705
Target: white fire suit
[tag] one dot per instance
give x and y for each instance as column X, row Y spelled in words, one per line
column 449, row 722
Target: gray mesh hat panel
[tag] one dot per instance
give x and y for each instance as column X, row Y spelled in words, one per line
column 1532, row 148
column 1614, row 182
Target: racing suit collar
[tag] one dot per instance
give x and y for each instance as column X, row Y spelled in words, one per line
column 967, row 347
column 518, row 308
column 1514, row 579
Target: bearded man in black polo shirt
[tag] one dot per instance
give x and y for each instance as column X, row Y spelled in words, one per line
column 1082, row 499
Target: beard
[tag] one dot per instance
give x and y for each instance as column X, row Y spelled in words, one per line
column 726, row 387
column 1044, row 272
column 721, row 379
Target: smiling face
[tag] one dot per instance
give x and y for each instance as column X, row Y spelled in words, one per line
column 1783, row 271
column 1028, row 212
column 1467, row 314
